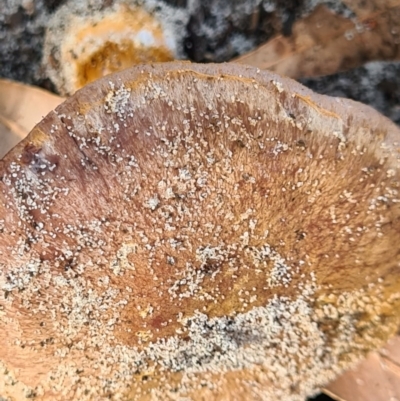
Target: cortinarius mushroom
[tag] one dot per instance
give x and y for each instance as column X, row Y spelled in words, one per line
column 196, row 232
column 85, row 41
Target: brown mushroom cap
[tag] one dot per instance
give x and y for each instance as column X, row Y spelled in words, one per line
column 199, row 231
column 86, row 41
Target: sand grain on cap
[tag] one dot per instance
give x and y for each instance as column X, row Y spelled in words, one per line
column 185, row 231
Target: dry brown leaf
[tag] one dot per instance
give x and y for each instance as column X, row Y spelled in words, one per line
column 21, row 108
column 375, row 379
column 325, row 43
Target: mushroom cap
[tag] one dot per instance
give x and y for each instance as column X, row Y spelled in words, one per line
column 199, row 231
column 83, row 44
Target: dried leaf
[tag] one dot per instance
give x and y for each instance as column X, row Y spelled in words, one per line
column 325, row 43
column 21, row 108
column 375, row 379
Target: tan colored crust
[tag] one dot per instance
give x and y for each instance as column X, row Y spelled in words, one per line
column 200, row 231
column 83, row 45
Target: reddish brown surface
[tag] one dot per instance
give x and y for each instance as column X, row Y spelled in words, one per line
column 181, row 229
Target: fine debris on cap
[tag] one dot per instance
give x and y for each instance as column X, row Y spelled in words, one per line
column 184, row 231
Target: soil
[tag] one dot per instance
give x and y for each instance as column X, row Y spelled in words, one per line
column 376, row 84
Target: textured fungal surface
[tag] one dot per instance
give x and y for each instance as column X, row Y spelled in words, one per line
column 85, row 42
column 196, row 232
